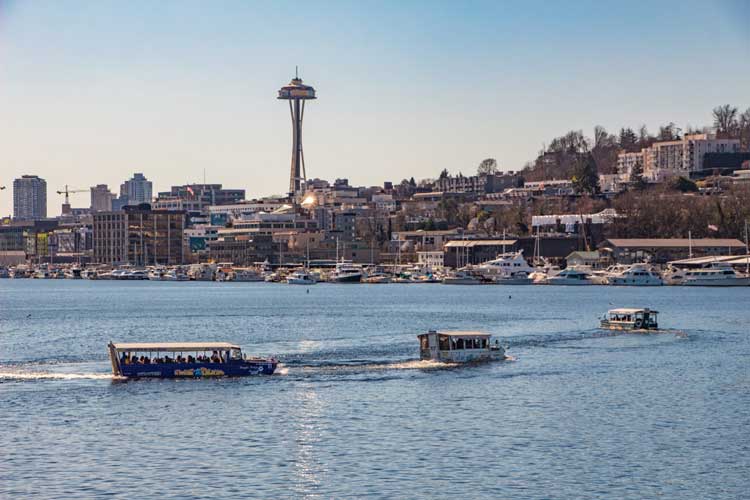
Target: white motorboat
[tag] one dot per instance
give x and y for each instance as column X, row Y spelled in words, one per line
column 635, row 275
column 569, row 276
column 175, row 274
column 506, row 265
column 719, row 274
column 518, row 278
column 346, row 272
column 301, row 277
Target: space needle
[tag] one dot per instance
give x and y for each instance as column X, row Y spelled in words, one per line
column 297, row 93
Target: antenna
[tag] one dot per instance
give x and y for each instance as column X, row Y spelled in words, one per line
column 296, row 72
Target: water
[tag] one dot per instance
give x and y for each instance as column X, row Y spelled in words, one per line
column 353, row 413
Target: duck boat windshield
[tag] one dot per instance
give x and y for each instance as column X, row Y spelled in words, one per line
column 631, row 319
column 189, row 359
column 459, row 347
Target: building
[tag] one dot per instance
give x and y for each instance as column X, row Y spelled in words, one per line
column 137, row 190
column 583, row 258
column 101, row 198
column 198, row 197
column 676, row 158
column 424, row 241
column 243, row 250
column 139, row 236
column 431, row 260
column 29, row 198
column 663, row 250
column 479, row 184
column 27, row 236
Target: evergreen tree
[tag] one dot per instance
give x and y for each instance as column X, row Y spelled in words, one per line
column 586, row 176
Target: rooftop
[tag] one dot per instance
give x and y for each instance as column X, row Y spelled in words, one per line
column 676, row 242
column 479, row 243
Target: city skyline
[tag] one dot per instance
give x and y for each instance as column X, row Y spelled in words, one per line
column 175, row 89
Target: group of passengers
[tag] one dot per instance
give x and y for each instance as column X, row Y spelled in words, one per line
column 129, row 359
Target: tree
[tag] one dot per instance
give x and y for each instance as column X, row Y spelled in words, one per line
column 412, row 183
column 487, row 167
column 744, row 130
column 585, row 176
column 636, row 176
column 628, row 140
column 669, row 132
column 725, row 120
column 444, row 174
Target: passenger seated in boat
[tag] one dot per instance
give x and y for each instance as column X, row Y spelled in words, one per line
column 215, row 357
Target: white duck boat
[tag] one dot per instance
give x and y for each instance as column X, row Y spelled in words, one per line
column 459, row 347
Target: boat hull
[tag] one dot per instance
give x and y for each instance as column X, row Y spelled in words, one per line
column 199, row 370
column 717, row 282
column 349, row 278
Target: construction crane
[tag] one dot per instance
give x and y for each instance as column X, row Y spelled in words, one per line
column 67, row 192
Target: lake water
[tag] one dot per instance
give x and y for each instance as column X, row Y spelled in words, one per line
column 353, row 413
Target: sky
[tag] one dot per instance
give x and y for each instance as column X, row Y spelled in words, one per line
column 93, row 91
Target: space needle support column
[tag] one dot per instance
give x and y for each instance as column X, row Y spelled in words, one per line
column 296, row 91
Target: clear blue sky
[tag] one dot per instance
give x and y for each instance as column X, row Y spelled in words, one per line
column 93, row 91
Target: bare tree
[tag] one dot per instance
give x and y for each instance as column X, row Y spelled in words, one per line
column 487, row 167
column 725, row 120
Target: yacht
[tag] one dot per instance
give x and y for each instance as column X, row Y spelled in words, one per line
column 569, row 276
column 462, row 277
column 635, row 275
column 201, row 273
column 4, row 272
column 505, row 265
column 301, row 277
column 517, row 278
column 346, row 272
column 718, row 274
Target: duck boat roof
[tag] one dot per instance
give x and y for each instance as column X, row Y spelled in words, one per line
column 174, row 346
column 632, row 310
column 458, row 333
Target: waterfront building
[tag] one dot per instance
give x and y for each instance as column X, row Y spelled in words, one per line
column 242, row 249
column 431, row 260
column 663, row 250
column 136, row 190
column 590, row 259
column 29, row 198
column 425, row 241
column 138, row 235
column 101, row 198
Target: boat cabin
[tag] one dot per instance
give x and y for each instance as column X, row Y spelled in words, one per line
column 188, row 359
column 459, row 347
column 630, row 319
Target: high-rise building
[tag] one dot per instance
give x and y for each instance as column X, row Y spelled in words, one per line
column 296, row 93
column 137, row 190
column 139, row 236
column 29, row 198
column 101, row 198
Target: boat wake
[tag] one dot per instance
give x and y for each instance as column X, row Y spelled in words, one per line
column 21, row 375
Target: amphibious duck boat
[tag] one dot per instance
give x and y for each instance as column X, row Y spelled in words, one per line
column 459, row 347
column 631, row 319
column 185, row 360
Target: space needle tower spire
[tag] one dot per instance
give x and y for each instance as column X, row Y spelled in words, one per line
column 296, row 93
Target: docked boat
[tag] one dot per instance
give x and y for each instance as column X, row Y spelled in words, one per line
column 301, row 277
column 719, row 274
column 569, row 276
column 635, row 275
column 631, row 320
column 504, row 266
column 462, row 277
column 346, row 272
column 185, row 360
column 4, row 272
column 247, row 275
column 459, row 347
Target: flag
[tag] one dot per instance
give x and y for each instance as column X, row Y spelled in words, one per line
column 190, row 190
column 712, row 227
